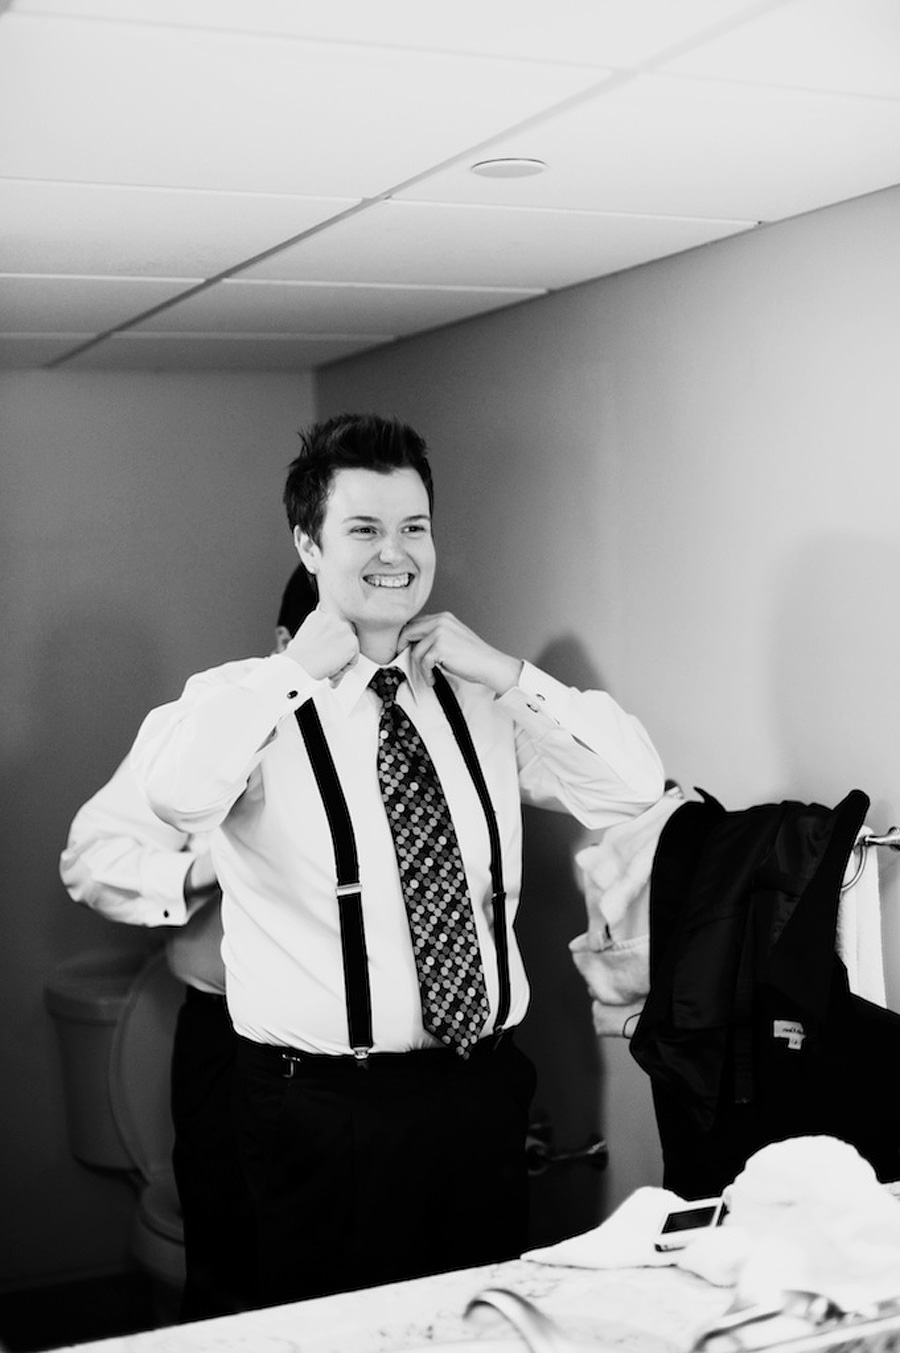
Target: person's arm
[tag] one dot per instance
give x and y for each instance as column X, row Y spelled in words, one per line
column 578, row 751
column 123, row 862
column 194, row 758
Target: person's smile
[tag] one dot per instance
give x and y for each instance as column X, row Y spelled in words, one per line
column 392, row 580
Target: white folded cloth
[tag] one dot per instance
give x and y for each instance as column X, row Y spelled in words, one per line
column 624, row 1240
column 858, row 942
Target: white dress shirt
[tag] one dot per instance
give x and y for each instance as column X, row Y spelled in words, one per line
column 228, row 758
column 122, row 861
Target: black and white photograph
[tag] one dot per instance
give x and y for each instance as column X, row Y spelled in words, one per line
column 450, row 748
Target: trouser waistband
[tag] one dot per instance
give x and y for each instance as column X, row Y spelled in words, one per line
column 197, row 997
column 288, row 1062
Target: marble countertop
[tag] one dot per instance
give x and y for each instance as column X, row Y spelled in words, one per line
column 651, row 1310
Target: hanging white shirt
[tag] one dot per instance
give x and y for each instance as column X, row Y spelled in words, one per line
column 228, row 758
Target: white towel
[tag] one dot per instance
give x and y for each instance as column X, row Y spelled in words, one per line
column 806, row 1215
column 624, row 1240
column 858, row 940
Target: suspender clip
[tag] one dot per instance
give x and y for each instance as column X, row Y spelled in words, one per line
column 348, row 889
column 290, row 1065
column 362, row 1057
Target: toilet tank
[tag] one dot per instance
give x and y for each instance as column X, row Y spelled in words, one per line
column 87, row 997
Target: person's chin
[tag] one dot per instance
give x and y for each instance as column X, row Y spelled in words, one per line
column 403, row 601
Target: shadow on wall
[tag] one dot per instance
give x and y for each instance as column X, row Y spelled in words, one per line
column 91, row 678
column 88, row 681
column 834, row 665
column 835, row 660
column 557, row 1032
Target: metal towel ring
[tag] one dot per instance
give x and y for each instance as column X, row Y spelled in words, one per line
column 890, row 838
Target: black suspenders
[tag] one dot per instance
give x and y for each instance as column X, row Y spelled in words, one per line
column 450, row 706
column 349, row 895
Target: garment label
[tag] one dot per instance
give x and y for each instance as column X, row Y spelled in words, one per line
column 790, row 1030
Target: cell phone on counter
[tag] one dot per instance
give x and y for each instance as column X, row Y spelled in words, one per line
column 684, row 1224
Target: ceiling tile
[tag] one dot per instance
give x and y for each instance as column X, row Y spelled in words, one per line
column 134, row 351
column 183, row 108
column 24, row 352
column 147, row 146
column 608, row 32
column 59, row 305
column 856, row 48
column 151, row 232
column 674, row 146
column 431, row 243
column 303, row 309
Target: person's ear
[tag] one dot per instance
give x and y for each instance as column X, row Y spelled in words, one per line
column 307, row 549
column 282, row 638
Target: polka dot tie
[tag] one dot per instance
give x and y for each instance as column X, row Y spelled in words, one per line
column 448, row 960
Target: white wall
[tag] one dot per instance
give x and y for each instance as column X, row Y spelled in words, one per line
column 141, row 539
column 682, row 482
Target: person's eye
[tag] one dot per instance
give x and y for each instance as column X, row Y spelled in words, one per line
column 363, row 530
column 417, row 529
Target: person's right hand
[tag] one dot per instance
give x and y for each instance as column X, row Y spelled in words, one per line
column 324, row 645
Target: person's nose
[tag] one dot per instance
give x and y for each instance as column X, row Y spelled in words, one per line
column 392, row 550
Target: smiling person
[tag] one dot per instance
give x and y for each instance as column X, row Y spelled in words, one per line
column 363, row 790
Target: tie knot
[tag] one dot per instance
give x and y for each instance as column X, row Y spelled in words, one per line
column 385, row 683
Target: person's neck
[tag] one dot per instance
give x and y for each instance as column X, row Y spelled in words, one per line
column 381, row 646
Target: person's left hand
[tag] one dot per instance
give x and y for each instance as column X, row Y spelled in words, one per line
column 443, row 641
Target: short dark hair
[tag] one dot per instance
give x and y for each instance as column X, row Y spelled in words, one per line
column 351, row 441
column 297, row 600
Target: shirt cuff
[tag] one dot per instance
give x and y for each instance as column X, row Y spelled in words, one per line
column 280, row 680
column 537, row 697
column 162, row 884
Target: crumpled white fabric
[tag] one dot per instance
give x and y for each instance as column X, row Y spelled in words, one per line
column 805, row 1215
column 613, row 955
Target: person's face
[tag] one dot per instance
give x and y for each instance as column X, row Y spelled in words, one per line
column 375, row 561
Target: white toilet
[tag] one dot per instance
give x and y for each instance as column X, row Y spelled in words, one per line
column 115, row 1017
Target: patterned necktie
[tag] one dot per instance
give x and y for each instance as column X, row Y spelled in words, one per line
column 448, row 960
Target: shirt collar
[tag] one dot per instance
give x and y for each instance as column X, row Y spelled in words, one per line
column 351, row 686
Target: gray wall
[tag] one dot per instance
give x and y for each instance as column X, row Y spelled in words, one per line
column 682, row 482
column 142, row 540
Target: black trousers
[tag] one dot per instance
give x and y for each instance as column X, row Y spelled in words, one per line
column 220, row 1252
column 360, row 1174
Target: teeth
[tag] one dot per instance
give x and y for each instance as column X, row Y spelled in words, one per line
column 389, row 580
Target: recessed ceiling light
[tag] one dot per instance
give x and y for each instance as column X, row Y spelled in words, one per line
column 508, row 168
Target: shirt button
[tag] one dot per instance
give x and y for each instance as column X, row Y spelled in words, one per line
column 292, row 695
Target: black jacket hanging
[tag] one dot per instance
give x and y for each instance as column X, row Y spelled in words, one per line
column 750, row 1033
